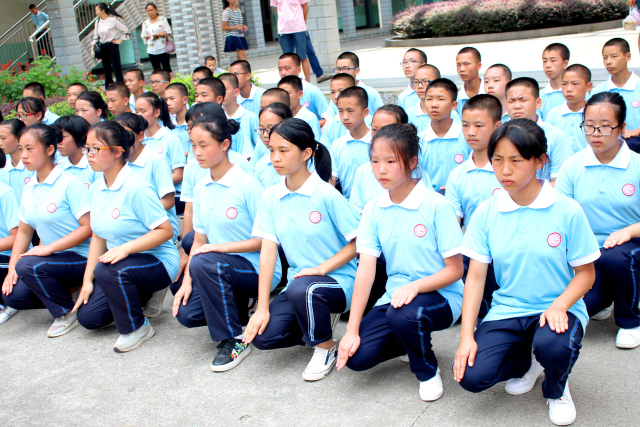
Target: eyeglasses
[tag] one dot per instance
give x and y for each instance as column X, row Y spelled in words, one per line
column 22, row 117
column 155, row 82
column 423, row 82
column 407, row 63
column 95, row 150
column 195, row 82
column 344, row 69
column 263, row 131
column 237, row 73
column 603, row 130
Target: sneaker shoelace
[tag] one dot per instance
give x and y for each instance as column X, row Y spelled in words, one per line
column 320, row 356
column 226, row 347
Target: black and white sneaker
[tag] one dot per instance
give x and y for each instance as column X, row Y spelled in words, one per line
column 231, row 353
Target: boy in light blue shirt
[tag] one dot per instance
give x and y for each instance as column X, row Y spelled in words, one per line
column 134, row 80
column 419, row 113
column 37, row 90
column 468, row 65
column 313, row 99
column 246, row 140
column 495, row 83
column 412, row 59
column 555, row 59
column 250, row 94
column 294, row 87
column 177, row 97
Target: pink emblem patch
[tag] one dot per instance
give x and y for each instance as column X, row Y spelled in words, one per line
column 87, row 184
column 315, row 217
column 420, row 230
column 459, row 158
column 495, row 191
column 27, row 179
column 232, row 213
column 306, row 104
column 628, row 189
column 635, row 103
column 554, row 239
column 160, row 150
column 115, row 214
column 51, row 208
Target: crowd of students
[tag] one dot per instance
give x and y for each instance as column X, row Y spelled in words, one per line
column 348, row 206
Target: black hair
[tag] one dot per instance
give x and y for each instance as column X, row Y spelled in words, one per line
column 15, row 126
column 488, row 103
column 75, row 126
column 423, row 56
column 32, row 105
column 527, row 82
column 231, row 79
column 612, row 98
column 445, row 84
column 113, row 134
column 133, row 121
column 619, row 42
column 431, row 67
column 82, row 85
column 279, row 93
column 246, row 67
column 96, row 101
column 291, row 55
column 525, row 134
column 505, row 70
column 151, row 4
column 32, row 6
column 121, row 88
column 158, row 103
column 396, row 111
column 139, row 73
column 110, row 10
column 582, row 71
column 164, row 73
column 46, row 135
column 215, row 84
column 219, row 128
column 36, row 88
column 299, row 133
column 279, row 109
column 355, row 61
column 471, row 50
column 204, row 70
column 210, row 58
column 344, row 76
column 294, row 81
column 180, row 87
column 356, row 92
column 210, row 109
column 562, row 49
column 402, row 139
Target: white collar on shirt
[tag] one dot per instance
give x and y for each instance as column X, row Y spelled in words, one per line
column 10, row 166
column 545, row 199
column 47, row 114
column 413, row 200
column 549, row 90
column 462, row 93
column 252, row 94
column 51, row 178
column 366, row 139
column 82, row 164
column 629, row 85
column 409, row 88
column 160, row 134
column 237, row 115
column 120, row 180
column 303, row 113
column 472, row 166
column 306, row 189
column 228, row 179
column 418, row 110
column 620, row 161
column 141, row 160
column 453, row 133
column 564, row 109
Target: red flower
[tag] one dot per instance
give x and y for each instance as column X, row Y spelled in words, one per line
column 43, row 52
column 101, row 77
column 19, row 64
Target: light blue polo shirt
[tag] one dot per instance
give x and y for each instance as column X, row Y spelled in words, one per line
column 569, row 122
column 53, row 207
column 194, row 173
column 182, row 132
column 366, row 186
column 551, row 99
column 259, row 152
column 607, row 193
column 49, row 118
column 469, row 185
column 8, row 213
column 16, row 177
column 252, row 103
column 165, row 143
column 375, row 102
column 347, row 155
column 225, row 211
column 415, row 237
column 39, row 19
column 631, row 94
column 313, row 99
column 439, row 156
column 463, row 97
column 334, row 129
column 408, row 98
column 265, row 173
column 82, row 170
column 312, row 224
column 127, row 210
column 534, row 249
column 422, row 121
column 558, row 148
column 310, row 118
column 245, row 141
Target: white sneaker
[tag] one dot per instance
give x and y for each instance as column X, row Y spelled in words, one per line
column 133, row 340
column 63, row 324
column 321, row 364
column 628, row 338
column 562, row 412
column 516, row 386
column 404, row 358
column 154, row 305
column 7, row 313
column 603, row 314
column 432, row 389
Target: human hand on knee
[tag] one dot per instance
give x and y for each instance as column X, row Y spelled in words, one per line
column 349, row 344
column 466, row 354
column 83, row 297
column 9, row 281
column 182, row 296
column 557, row 319
column 404, row 295
column 257, row 324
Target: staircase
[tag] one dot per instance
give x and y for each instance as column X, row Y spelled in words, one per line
column 14, row 43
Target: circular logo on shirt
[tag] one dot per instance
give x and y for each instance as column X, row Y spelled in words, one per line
column 51, row 208
column 635, row 103
column 306, row 104
column 554, row 239
column 160, row 150
column 420, row 230
column 495, row 191
column 27, row 179
column 315, row 217
column 232, row 213
column 628, row 189
column 459, row 158
column 115, row 214
column 87, row 184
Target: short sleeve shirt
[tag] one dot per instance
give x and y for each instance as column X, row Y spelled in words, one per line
column 290, row 16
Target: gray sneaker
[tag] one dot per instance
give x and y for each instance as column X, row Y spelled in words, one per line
column 154, row 305
column 128, row 342
column 7, row 313
column 63, row 324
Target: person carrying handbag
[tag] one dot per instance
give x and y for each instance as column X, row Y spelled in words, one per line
column 156, row 33
column 109, row 33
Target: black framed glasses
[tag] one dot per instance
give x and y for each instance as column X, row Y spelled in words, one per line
column 423, row 82
column 344, row 69
column 410, row 62
column 602, row 130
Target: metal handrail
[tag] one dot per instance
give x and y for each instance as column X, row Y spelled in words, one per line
column 40, row 43
column 24, row 18
column 85, row 17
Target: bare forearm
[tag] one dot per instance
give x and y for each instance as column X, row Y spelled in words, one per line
column 444, row 277
column 472, row 297
column 97, row 247
column 268, row 258
column 243, row 246
column 365, row 277
column 176, row 175
column 71, row 240
column 168, row 201
column 578, row 286
column 344, row 255
column 21, row 244
column 152, row 239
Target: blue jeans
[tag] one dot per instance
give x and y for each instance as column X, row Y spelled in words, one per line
column 313, row 59
column 294, row 43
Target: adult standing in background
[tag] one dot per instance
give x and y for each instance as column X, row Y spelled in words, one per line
column 39, row 19
column 109, row 33
column 154, row 31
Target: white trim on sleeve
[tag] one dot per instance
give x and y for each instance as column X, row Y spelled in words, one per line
column 82, row 211
column 474, row 255
column 158, row 222
column 185, row 199
column 14, row 225
column 262, row 235
column 451, row 252
column 368, row 251
column 200, row 230
column 178, row 165
column 460, row 213
column 585, row 259
column 352, row 235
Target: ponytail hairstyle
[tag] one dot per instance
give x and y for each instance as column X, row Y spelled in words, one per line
column 395, row 111
column 210, row 109
column 32, row 105
column 45, row 135
column 108, row 9
column 96, row 101
column 113, row 134
column 402, row 139
column 612, row 98
column 158, row 103
column 300, row 134
column 133, row 121
column 279, row 109
column 219, row 128
column 527, row 137
column 75, row 126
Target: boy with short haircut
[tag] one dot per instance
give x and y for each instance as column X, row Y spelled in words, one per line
column 468, row 65
column 37, row 90
column 349, row 63
column 312, row 98
column 555, row 59
column 200, row 73
column 523, row 101
column 333, row 127
column 117, row 95
column 177, row 97
column 245, row 141
column 576, row 84
column 616, row 56
column 134, row 80
column 274, row 94
column 211, row 63
column 250, row 94
column 495, row 83
column 160, row 79
column 293, row 86
column 351, row 151
column 442, row 144
column 210, row 89
column 419, row 113
column 73, row 92
column 412, row 59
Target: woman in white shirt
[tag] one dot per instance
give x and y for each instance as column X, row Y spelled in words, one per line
column 154, row 31
column 109, row 33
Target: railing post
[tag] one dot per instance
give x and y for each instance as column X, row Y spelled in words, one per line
column 64, row 34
